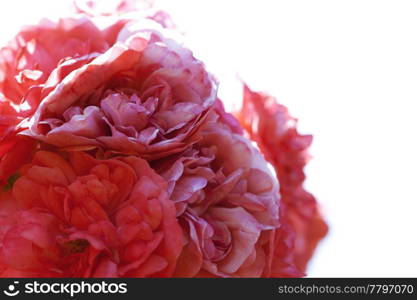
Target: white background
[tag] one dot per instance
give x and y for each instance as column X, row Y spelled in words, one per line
column 348, row 71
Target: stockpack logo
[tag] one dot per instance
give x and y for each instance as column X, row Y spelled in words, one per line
column 12, row 289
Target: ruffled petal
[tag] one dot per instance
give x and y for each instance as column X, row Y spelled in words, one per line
column 274, row 130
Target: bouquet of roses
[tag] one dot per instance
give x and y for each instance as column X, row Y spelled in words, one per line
column 117, row 159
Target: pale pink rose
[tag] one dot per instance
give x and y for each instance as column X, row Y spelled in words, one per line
column 227, row 203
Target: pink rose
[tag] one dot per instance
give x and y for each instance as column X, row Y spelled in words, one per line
column 275, row 131
column 117, row 159
column 227, row 203
column 146, row 95
column 29, row 59
column 72, row 215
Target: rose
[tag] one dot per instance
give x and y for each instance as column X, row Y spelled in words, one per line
column 30, row 58
column 32, row 55
column 69, row 214
column 108, row 77
column 227, row 203
column 78, row 197
column 146, row 94
column 27, row 62
column 275, row 131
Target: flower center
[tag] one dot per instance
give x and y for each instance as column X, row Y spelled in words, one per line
column 75, row 246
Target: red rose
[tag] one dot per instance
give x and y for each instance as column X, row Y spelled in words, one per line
column 73, row 215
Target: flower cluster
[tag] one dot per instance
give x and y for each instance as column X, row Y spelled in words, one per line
column 117, row 159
